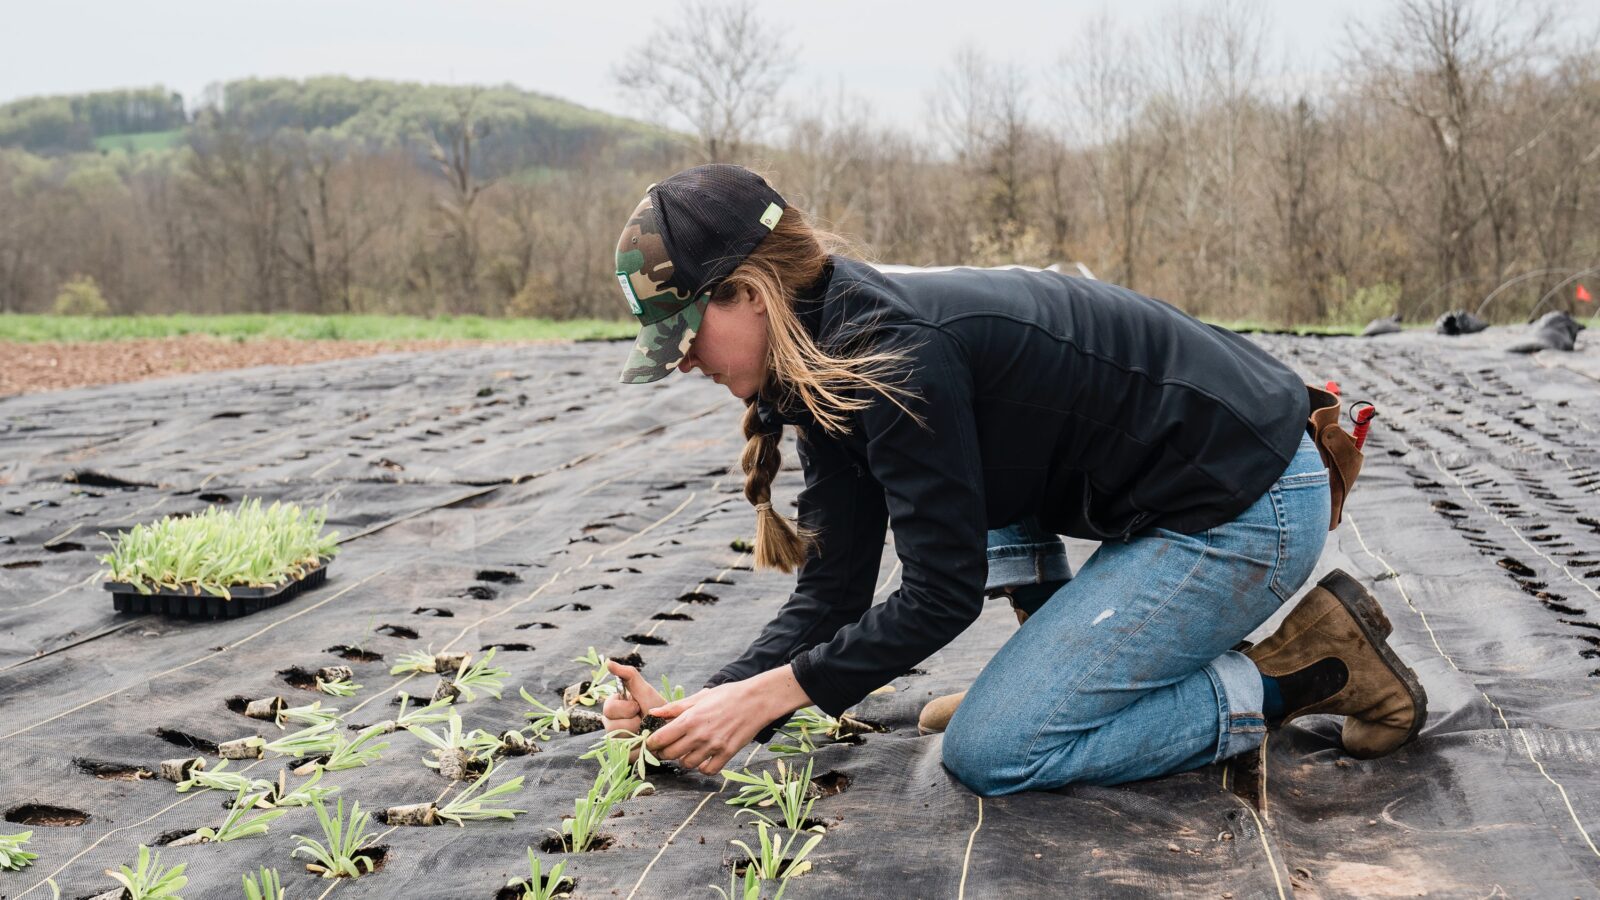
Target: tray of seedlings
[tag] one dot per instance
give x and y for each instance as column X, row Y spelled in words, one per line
column 221, row 563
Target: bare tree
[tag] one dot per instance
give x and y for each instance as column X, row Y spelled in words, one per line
column 1103, row 100
column 1441, row 63
column 716, row 66
column 458, row 220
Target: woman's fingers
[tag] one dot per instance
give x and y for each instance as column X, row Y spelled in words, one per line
column 620, row 714
column 638, row 686
column 620, row 708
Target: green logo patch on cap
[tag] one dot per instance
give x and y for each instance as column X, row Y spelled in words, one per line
column 771, row 216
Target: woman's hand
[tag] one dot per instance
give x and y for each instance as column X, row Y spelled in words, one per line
column 709, row 728
column 623, row 713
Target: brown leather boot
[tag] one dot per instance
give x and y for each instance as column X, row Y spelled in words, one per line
column 936, row 715
column 1339, row 623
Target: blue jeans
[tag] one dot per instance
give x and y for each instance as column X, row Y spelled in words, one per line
column 1124, row 672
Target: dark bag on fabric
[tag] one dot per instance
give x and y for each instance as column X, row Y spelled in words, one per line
column 1337, row 447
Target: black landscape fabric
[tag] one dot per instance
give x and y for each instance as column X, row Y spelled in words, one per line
column 519, row 499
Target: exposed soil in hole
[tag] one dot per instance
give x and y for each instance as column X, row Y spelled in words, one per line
column 355, row 654
column 673, row 617
column 1513, row 566
column 433, row 611
column 301, row 678
column 720, row 579
column 64, row 547
column 628, row 569
column 510, row 892
column 214, row 498
column 89, row 478
column 498, row 576
column 698, row 597
column 167, row 837
column 508, row 647
column 110, row 771
column 237, row 704
column 45, row 816
column 527, row 625
column 553, row 844
column 1445, row 504
column 23, row 564
column 575, row 607
column 830, row 783
column 597, row 586
column 480, row 592
column 378, row 855
column 645, row 555
column 632, row 659
column 648, row 640
column 183, row 739
column 399, row 631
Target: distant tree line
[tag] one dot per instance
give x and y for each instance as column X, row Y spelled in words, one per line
column 1456, row 148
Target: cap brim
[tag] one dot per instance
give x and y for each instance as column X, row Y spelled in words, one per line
column 661, row 346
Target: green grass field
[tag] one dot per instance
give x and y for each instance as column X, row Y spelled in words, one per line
column 140, row 143
column 33, row 328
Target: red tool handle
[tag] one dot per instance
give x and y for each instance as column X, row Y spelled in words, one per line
column 1362, row 413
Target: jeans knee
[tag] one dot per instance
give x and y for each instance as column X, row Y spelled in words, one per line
column 983, row 762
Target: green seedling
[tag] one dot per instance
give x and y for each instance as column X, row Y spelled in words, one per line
column 312, row 714
column 614, row 783
column 338, row 688
column 740, row 545
column 416, row 662
column 218, row 779
column 810, row 724
column 472, row 806
column 602, row 683
column 340, row 856
column 316, row 740
column 147, row 880
column 304, row 795
column 455, row 752
column 236, row 826
column 222, row 548
column 433, row 713
column 788, row 793
column 634, row 745
column 671, row 692
column 480, row 676
column 544, row 719
column 747, row 889
column 347, row 754
column 539, row 886
column 12, row 856
column 778, row 860
column 264, row 885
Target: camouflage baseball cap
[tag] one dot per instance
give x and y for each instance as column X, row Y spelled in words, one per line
column 687, row 234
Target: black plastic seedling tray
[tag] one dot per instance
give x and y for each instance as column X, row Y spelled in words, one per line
column 185, row 604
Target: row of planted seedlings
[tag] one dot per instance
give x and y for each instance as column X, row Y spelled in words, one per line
column 779, row 802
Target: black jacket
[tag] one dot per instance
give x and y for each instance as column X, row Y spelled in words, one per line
column 1098, row 410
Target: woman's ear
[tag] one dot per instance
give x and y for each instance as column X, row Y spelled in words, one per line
column 758, row 304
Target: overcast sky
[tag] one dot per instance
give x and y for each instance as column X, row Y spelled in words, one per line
column 888, row 51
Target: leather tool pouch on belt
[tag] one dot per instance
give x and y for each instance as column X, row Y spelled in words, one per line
column 1337, row 447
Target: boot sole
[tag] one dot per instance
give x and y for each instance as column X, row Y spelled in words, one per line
column 1375, row 626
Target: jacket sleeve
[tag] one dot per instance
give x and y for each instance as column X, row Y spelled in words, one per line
column 845, row 507
column 932, row 482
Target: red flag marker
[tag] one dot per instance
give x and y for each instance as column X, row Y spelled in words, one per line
column 1583, row 294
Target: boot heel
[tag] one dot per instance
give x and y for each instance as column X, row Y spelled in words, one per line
column 1361, row 604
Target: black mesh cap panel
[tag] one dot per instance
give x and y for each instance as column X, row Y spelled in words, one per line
column 710, row 219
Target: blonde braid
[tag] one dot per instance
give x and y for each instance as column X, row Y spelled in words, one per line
column 780, row 543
